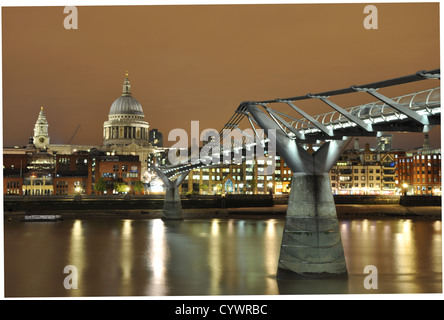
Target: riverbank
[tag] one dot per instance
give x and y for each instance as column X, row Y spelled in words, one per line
column 344, row 211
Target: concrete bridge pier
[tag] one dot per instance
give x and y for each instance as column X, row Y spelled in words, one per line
column 311, row 243
column 172, row 206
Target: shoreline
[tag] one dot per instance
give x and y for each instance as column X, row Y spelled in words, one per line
column 344, row 211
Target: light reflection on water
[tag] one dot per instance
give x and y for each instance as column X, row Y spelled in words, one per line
column 77, row 252
column 157, row 257
column 209, row 257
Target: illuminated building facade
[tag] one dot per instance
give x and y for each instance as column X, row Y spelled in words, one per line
column 419, row 174
column 77, row 173
column 40, row 174
column 264, row 175
column 357, row 172
column 14, row 164
column 29, row 171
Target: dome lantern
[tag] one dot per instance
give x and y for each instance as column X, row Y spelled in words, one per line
column 126, row 91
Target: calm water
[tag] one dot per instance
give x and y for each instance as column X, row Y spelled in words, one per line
column 208, row 257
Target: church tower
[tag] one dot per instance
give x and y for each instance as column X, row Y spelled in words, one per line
column 41, row 136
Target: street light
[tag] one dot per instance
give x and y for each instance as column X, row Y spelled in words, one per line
column 405, row 185
column 270, row 188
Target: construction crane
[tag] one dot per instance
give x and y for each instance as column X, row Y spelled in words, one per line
column 77, row 129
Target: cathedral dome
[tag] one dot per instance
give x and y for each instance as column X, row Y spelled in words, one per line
column 126, row 103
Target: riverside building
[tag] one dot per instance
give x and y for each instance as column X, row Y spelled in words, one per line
column 357, row 172
column 41, row 168
column 419, row 171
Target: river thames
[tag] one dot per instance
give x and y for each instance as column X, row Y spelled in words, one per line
column 198, row 257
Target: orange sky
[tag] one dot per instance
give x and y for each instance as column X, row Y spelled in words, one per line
column 199, row 62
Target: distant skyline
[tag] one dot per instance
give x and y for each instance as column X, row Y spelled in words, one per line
column 198, row 62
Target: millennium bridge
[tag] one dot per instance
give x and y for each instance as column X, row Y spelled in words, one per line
column 311, row 243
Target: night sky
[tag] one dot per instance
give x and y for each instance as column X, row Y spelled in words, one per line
column 197, row 62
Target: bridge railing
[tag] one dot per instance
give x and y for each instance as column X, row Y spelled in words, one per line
column 427, row 101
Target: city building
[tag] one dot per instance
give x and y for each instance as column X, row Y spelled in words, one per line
column 264, row 174
column 37, row 173
column 118, row 169
column 384, row 142
column 357, row 172
column 156, row 138
column 419, row 171
column 29, row 170
column 364, row 172
column 14, row 165
column 42, row 168
column 72, row 174
column 419, row 174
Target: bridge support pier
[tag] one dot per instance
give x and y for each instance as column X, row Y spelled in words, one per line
column 172, row 206
column 311, row 243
